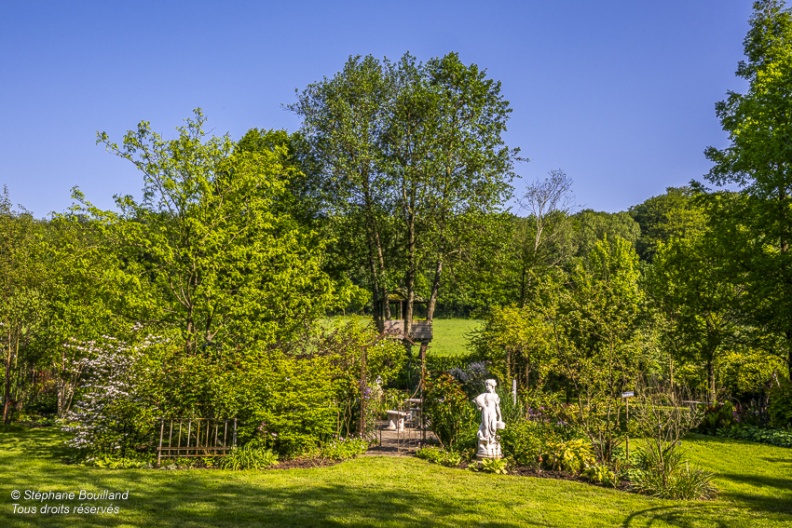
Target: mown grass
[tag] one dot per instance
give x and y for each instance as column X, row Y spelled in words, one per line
column 450, row 336
column 755, row 483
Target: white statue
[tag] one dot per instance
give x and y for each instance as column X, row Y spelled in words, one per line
column 491, row 421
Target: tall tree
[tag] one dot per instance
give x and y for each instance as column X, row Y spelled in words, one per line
column 20, row 294
column 343, row 124
column 673, row 214
column 759, row 160
column 543, row 239
column 229, row 267
column 690, row 284
column 416, row 144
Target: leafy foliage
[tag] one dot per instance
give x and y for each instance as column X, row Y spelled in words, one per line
column 758, row 226
column 249, row 457
column 451, row 414
column 497, row 466
column 716, row 416
column 601, row 474
column 572, row 456
column 664, row 474
column 526, row 442
column 221, row 260
column 776, row 437
column 780, row 407
column 344, row 448
column 439, row 456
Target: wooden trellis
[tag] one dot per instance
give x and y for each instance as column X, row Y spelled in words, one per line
column 196, row 437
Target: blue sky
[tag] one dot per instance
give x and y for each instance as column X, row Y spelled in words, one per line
column 619, row 94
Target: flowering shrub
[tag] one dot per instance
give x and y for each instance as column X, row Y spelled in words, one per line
column 110, row 417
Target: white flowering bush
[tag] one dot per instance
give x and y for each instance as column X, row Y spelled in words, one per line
column 112, row 415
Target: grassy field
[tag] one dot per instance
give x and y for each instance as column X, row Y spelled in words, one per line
column 450, row 335
column 755, row 483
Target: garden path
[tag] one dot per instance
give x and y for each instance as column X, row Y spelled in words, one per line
column 398, row 443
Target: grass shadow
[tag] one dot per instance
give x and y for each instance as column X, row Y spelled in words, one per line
column 778, row 500
column 677, row 516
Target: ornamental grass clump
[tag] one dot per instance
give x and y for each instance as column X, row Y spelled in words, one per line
column 664, row 474
column 663, row 417
column 249, row 457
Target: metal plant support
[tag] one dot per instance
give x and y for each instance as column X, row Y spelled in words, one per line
column 196, row 437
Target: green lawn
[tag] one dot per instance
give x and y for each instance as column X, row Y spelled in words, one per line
column 450, row 335
column 755, row 482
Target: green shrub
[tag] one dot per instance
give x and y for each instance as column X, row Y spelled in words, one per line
column 716, row 416
column 111, row 462
column 249, row 457
column 776, row 437
column 451, row 414
column 601, row 474
column 780, row 406
column 344, row 448
column 571, row 455
column 439, row 456
column 525, row 441
column 685, row 483
column 497, row 466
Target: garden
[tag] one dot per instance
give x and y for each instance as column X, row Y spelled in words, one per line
column 226, row 348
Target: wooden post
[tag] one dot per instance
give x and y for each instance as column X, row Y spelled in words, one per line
column 159, row 451
column 627, row 395
column 627, row 439
column 514, row 392
column 424, row 346
column 235, row 428
column 363, row 395
column 189, row 430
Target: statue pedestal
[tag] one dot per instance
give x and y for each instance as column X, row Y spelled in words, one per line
column 489, row 449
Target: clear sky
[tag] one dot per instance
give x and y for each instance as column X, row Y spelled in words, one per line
column 619, row 94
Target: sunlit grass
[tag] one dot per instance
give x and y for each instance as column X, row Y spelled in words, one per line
column 755, row 483
column 450, row 336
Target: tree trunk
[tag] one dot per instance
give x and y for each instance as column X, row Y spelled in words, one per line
column 411, row 272
column 788, row 335
column 7, row 389
column 711, row 379
column 363, row 392
column 430, row 309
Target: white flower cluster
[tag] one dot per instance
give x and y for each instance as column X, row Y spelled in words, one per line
column 106, row 366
